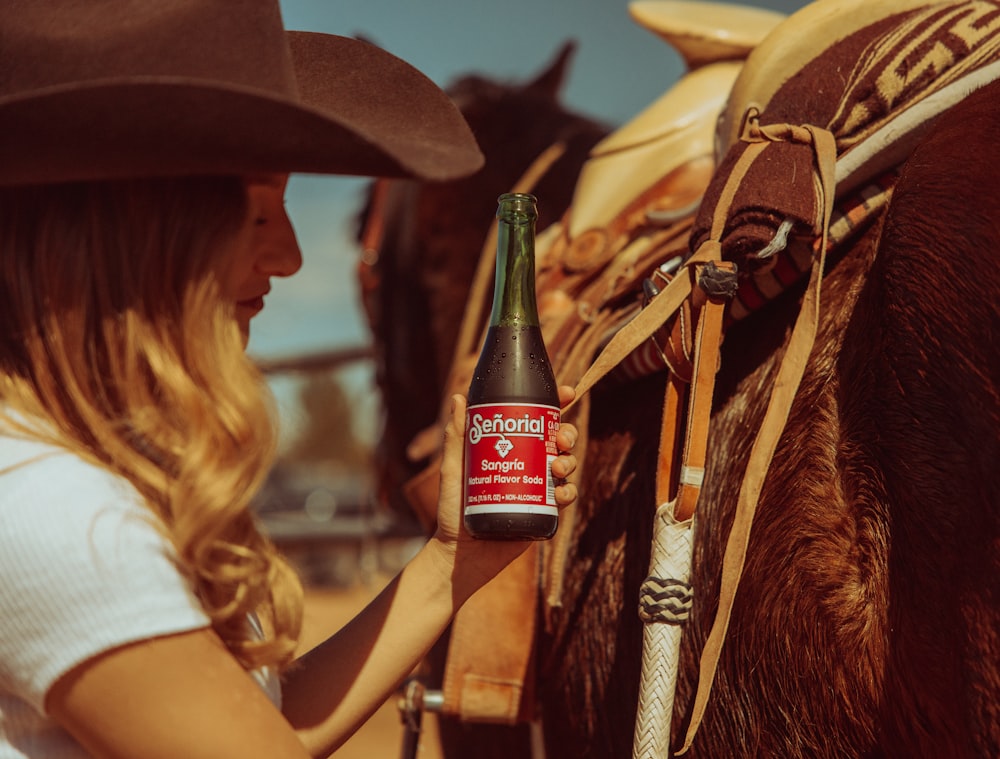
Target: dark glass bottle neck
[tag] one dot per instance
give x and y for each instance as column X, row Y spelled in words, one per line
column 514, row 293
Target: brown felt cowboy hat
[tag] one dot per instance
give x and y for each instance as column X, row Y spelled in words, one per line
column 98, row 89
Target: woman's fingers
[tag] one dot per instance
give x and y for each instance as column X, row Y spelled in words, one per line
column 564, row 466
column 566, row 395
column 565, row 463
column 566, row 437
column 454, row 432
column 565, row 494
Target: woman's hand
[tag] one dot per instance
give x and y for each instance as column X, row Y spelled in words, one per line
column 473, row 562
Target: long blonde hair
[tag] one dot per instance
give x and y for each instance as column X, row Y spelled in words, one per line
column 112, row 332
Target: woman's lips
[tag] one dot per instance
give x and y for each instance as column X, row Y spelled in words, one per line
column 254, row 305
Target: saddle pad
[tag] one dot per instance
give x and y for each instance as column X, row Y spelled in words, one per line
column 853, row 87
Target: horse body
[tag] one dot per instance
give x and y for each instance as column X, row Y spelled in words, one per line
column 866, row 621
column 867, row 616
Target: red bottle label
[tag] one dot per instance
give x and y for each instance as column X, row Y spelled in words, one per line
column 509, row 449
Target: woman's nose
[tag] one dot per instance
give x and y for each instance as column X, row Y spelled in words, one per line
column 278, row 249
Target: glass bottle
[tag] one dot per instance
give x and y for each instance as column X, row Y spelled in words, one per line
column 513, row 415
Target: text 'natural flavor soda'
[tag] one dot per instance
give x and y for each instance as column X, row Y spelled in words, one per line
column 513, row 414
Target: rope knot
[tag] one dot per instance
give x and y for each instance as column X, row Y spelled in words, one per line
column 754, row 131
column 665, row 600
column 718, row 282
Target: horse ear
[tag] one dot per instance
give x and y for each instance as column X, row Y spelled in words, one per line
column 550, row 80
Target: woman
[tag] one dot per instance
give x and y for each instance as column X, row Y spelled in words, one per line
column 142, row 171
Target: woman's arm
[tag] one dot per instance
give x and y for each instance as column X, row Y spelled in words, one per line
column 336, row 686
column 100, row 629
column 176, row 696
column 185, row 695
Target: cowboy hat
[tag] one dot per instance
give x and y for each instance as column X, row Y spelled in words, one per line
column 101, row 89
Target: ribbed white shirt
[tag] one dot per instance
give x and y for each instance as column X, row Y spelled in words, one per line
column 83, row 570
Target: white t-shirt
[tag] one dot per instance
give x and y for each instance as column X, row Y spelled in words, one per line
column 82, row 570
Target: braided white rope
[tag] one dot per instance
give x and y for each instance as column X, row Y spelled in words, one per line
column 665, row 602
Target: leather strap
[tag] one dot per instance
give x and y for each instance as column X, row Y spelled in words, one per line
column 707, row 342
column 488, row 673
column 782, row 395
column 670, row 423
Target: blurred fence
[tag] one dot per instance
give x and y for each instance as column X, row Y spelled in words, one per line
column 319, row 503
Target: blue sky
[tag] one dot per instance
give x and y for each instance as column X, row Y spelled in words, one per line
column 619, row 68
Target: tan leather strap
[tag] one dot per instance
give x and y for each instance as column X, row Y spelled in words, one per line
column 373, row 233
column 488, row 673
column 660, row 309
column 785, row 387
column 681, row 293
column 670, row 423
column 707, row 342
column 682, row 457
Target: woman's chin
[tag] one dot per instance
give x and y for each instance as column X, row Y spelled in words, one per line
column 243, row 316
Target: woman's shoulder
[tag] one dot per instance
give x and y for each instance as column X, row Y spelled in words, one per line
column 40, row 478
column 86, row 567
column 59, row 509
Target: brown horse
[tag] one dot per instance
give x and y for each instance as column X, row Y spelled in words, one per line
column 866, row 622
column 869, row 603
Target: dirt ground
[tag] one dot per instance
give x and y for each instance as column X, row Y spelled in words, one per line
column 382, row 736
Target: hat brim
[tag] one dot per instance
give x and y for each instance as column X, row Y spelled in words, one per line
column 360, row 111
